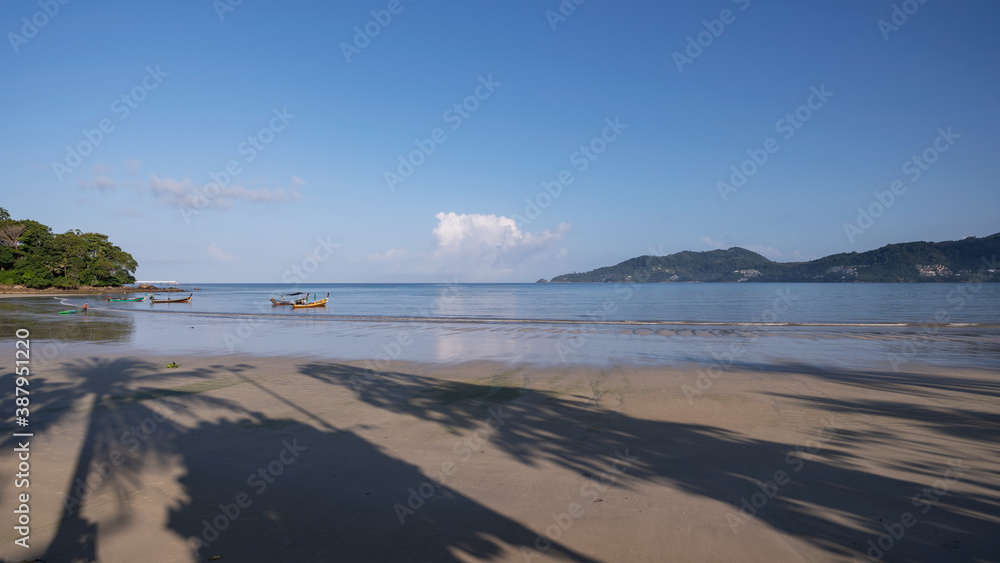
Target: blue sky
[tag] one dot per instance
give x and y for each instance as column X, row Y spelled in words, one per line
column 333, row 112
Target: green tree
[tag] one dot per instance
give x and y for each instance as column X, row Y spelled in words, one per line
column 38, row 258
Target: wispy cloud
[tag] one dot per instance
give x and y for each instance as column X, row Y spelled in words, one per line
column 768, row 252
column 103, row 183
column 391, row 255
column 219, row 254
column 713, row 243
column 172, row 192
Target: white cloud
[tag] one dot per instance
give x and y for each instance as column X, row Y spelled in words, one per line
column 171, row 191
column 216, row 252
column 100, row 179
column 103, row 183
column 391, row 255
column 133, row 166
column 490, row 240
column 477, row 247
column 184, row 192
column 713, row 243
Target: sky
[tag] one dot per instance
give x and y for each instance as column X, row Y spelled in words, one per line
column 487, row 141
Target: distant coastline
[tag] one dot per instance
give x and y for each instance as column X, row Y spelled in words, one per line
column 970, row 259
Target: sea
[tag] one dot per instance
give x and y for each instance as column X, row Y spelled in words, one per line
column 892, row 326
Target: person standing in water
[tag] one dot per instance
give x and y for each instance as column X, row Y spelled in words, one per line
column 84, row 307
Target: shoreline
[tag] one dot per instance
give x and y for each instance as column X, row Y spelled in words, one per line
column 21, row 291
column 502, row 461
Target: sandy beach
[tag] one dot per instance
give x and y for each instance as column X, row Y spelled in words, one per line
column 7, row 291
column 293, row 459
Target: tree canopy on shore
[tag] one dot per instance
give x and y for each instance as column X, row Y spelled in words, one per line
column 32, row 255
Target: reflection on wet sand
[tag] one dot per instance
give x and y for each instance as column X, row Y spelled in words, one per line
column 506, row 340
column 40, row 316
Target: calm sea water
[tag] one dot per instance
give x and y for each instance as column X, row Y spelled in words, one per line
column 697, row 303
column 547, row 323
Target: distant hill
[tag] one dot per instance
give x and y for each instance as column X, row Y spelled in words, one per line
column 968, row 259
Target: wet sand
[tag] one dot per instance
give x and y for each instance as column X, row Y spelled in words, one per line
column 292, row 459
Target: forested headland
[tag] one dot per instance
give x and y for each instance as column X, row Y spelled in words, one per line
column 33, row 256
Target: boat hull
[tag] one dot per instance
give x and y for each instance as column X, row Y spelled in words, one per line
column 320, row 303
column 185, row 300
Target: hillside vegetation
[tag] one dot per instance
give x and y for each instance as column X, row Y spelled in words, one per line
column 31, row 255
column 971, row 258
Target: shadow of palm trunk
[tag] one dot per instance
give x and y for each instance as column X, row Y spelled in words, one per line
column 128, row 429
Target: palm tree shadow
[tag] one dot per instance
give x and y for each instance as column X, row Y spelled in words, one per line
column 324, row 493
column 340, row 498
column 831, row 498
column 131, row 421
column 314, row 495
column 254, row 487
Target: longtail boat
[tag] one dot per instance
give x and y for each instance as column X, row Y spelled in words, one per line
column 320, row 303
column 125, row 299
column 285, row 301
column 185, row 300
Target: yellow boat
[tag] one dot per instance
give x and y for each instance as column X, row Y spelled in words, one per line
column 320, row 303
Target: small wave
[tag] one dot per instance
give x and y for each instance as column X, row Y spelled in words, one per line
column 502, row 320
